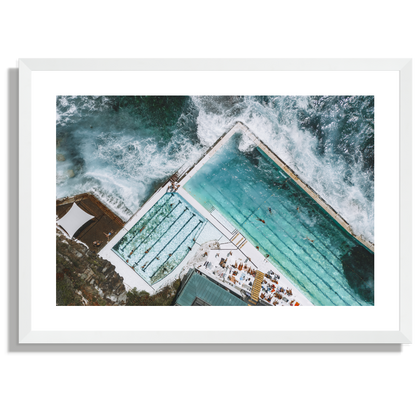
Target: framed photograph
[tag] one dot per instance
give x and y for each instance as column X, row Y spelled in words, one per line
column 281, row 185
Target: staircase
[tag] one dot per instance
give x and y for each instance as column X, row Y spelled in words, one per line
column 255, row 291
column 241, row 243
column 234, row 235
column 174, row 178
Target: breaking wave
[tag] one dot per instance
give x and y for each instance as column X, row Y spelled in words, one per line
column 124, row 148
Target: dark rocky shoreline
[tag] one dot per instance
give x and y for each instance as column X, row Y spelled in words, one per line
column 83, row 278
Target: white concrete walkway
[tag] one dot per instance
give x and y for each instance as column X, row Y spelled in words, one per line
column 229, row 237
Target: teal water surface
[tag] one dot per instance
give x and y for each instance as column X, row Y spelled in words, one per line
column 327, row 264
column 161, row 239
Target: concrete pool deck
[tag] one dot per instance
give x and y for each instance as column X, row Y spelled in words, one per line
column 227, row 236
column 228, row 241
column 244, row 247
column 132, row 278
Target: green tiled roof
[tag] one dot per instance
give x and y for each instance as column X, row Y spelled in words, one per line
column 200, row 287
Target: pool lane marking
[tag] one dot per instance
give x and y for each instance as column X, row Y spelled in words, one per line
column 229, row 241
column 316, row 210
column 290, row 249
column 318, row 265
column 143, row 217
column 307, row 266
column 332, row 278
column 156, row 226
column 138, row 261
column 191, row 218
column 318, row 239
column 135, row 234
column 297, row 281
column 288, row 258
column 132, row 268
column 213, row 224
column 204, row 221
column 199, row 223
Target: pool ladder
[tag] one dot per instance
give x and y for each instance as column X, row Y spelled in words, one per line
column 234, row 235
column 239, row 241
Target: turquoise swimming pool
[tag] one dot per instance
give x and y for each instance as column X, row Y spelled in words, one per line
column 161, row 239
column 327, row 264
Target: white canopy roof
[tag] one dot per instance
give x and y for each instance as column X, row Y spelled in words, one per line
column 74, row 219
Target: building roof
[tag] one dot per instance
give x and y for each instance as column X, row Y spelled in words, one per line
column 199, row 290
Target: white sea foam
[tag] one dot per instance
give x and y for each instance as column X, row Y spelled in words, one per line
column 114, row 156
column 297, row 147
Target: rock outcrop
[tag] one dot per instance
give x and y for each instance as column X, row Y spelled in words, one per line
column 84, row 278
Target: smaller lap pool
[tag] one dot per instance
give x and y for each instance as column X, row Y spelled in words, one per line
column 161, row 239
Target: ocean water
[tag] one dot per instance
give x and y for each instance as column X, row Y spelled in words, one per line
column 327, row 264
column 123, row 148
